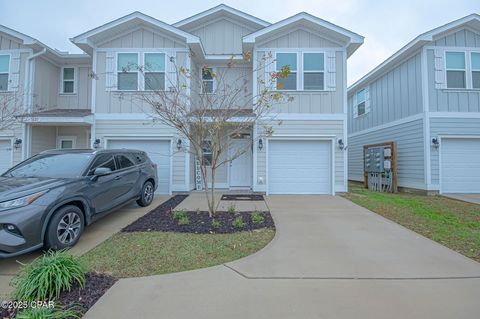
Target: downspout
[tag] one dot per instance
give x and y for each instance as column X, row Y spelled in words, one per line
column 29, row 78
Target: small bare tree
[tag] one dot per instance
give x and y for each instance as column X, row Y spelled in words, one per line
column 212, row 106
column 11, row 110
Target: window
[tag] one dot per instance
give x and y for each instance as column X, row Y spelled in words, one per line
column 290, row 60
column 68, row 80
column 455, row 66
column 207, row 152
column 207, row 81
column 313, row 71
column 154, row 71
column 4, row 70
column 66, row 142
column 102, row 160
column 475, row 70
column 361, row 101
column 123, row 161
column 127, row 71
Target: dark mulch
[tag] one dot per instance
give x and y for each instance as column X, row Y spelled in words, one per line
column 81, row 299
column 254, row 197
column 201, row 222
column 144, row 222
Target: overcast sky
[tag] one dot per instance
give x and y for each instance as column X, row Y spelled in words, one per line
column 386, row 25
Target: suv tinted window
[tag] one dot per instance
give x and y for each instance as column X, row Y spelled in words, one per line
column 140, row 157
column 102, row 160
column 123, row 161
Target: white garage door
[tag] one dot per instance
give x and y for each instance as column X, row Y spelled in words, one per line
column 299, row 167
column 5, row 155
column 460, row 165
column 159, row 153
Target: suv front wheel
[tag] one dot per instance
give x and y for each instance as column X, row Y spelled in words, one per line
column 65, row 228
column 146, row 195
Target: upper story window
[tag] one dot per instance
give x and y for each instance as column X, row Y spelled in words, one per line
column 207, row 152
column 361, row 102
column 127, row 71
column 4, row 71
column 208, row 81
column 68, row 80
column 282, row 60
column 456, row 70
column 313, row 71
column 154, row 71
column 475, row 62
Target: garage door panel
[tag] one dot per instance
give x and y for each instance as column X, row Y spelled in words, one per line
column 299, row 167
column 460, row 164
column 159, row 153
column 5, row 155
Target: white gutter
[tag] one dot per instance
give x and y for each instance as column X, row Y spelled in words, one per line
column 29, row 79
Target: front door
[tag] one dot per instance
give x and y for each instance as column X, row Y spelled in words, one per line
column 241, row 167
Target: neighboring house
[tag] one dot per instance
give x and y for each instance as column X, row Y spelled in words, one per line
column 94, row 106
column 426, row 98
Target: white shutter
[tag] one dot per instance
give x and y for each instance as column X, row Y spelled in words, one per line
column 367, row 100
column 14, row 74
column 269, row 69
column 171, row 71
column 331, row 72
column 440, row 79
column 110, row 71
column 355, row 105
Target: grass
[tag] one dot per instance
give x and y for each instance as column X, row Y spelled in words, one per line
column 452, row 223
column 151, row 253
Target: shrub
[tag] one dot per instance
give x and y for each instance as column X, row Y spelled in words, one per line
column 47, row 276
column 257, row 218
column 184, row 221
column 179, row 214
column 216, row 224
column 47, row 313
column 231, row 209
column 239, row 223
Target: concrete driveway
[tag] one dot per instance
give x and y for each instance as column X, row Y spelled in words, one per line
column 469, row 198
column 330, row 259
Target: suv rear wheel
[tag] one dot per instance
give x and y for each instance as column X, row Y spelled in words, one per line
column 65, row 228
column 146, row 195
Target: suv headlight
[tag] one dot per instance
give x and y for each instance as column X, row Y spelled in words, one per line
column 22, row 201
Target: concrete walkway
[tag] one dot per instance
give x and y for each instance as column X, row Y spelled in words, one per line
column 93, row 236
column 330, row 259
column 469, row 198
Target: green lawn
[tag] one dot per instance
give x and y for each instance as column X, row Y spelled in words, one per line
column 152, row 253
column 452, row 223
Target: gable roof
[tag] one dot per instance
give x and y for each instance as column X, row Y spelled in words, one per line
column 349, row 38
column 87, row 40
column 218, row 11
column 472, row 21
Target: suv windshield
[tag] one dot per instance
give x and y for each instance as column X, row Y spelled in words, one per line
column 52, row 165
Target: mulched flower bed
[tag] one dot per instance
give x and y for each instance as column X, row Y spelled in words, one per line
column 252, row 197
column 201, row 222
column 144, row 222
column 81, row 299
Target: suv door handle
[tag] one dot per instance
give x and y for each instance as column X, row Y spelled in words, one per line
column 117, row 178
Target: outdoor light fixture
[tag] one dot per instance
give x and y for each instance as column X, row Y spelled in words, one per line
column 17, row 143
column 435, row 142
column 260, row 144
column 96, row 144
column 341, row 145
column 179, row 144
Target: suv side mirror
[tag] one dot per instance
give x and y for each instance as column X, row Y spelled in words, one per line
column 101, row 171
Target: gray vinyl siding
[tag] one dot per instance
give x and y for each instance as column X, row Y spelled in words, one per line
column 460, row 38
column 298, row 39
column 395, row 95
column 143, row 38
column 450, row 126
column 8, row 43
column 80, row 132
column 146, row 129
column 309, row 101
column 43, row 138
column 83, row 98
column 222, row 36
column 410, row 152
column 304, row 128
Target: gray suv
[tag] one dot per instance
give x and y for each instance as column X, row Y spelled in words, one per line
column 48, row 199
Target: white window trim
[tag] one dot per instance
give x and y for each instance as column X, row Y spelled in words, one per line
column 139, row 88
column 296, row 71
column 358, row 103
column 9, row 70
column 470, row 53
column 61, row 139
column 468, row 68
column 75, row 80
column 164, row 71
column 214, row 86
column 314, row 71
